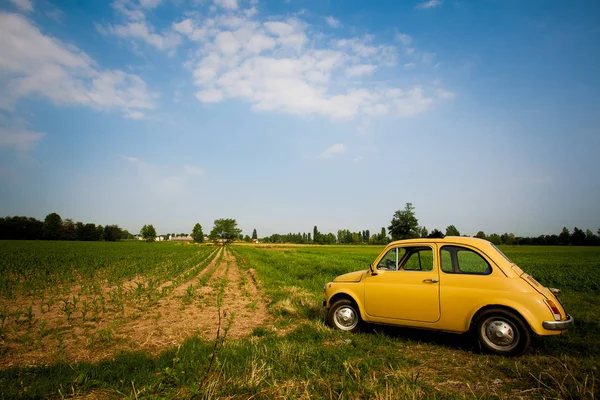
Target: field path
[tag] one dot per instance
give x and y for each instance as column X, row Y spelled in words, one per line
column 181, row 315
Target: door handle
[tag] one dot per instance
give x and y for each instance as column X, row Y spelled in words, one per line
column 430, row 281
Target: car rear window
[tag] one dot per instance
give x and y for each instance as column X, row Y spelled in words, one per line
column 460, row 260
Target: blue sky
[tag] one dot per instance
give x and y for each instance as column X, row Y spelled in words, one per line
column 289, row 114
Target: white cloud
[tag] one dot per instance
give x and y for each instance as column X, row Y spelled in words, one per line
column 429, row 4
column 279, row 28
column 259, row 42
column 357, row 159
column 445, row 94
column 227, row 4
column 227, row 43
column 135, row 114
column 332, row 22
column 132, row 160
column 35, row 64
column 141, row 30
column 188, row 28
column 410, row 65
column 360, row 70
column 21, row 139
column 134, row 10
column 149, row 3
column 404, row 39
column 23, row 5
column 281, row 64
column 334, row 150
column 194, row 170
column 210, row 96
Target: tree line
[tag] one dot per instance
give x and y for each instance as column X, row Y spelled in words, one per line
column 55, row 228
column 404, row 225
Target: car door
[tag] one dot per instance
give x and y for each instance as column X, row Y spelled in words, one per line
column 405, row 286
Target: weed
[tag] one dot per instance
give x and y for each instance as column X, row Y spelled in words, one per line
column 85, row 307
column 29, row 315
column 67, row 307
column 3, row 316
column 189, row 294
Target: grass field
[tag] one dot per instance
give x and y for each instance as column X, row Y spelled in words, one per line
column 163, row 320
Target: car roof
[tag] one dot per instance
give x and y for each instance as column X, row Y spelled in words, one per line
column 448, row 239
column 484, row 245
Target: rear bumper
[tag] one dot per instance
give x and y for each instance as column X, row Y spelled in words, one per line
column 559, row 325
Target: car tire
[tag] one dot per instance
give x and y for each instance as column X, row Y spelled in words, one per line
column 344, row 315
column 502, row 332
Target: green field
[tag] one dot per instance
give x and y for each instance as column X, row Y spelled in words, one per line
column 265, row 334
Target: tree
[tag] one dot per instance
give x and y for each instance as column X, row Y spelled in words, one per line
column 404, row 224
column 197, row 234
column 21, row 228
column 578, row 237
column 316, row 235
column 564, row 238
column 423, row 232
column 148, row 233
column 436, row 234
column 226, row 229
column 452, row 231
column 254, row 234
column 126, row 235
column 88, row 232
column 112, row 233
column 52, row 226
column 590, row 238
column 68, row 230
column 480, row 235
column 494, row 238
column 380, row 238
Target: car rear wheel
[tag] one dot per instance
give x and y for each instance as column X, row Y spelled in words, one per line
column 344, row 315
column 502, row 332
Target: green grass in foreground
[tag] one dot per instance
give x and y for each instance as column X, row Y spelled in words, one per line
column 300, row 357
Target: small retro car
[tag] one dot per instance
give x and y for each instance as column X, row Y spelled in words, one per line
column 453, row 284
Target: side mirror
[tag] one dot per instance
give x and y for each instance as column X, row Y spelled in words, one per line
column 373, row 270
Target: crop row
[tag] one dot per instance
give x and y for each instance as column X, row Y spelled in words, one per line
column 32, row 267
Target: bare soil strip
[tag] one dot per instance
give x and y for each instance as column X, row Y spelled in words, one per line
column 189, row 308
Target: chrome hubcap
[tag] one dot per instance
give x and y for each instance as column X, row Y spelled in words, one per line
column 500, row 334
column 346, row 318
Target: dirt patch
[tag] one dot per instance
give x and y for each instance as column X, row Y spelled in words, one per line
column 189, row 308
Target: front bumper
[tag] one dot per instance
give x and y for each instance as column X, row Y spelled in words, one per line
column 559, row 325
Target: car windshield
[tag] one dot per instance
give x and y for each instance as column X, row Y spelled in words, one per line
column 502, row 254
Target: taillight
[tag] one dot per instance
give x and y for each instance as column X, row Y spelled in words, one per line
column 554, row 309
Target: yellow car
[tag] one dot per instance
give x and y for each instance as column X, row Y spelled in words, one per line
column 454, row 284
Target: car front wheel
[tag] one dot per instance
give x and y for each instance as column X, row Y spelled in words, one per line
column 502, row 332
column 344, row 315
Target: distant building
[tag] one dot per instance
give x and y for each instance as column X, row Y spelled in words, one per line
column 180, row 238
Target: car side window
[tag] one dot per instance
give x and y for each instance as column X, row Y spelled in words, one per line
column 419, row 259
column 391, row 259
column 461, row 260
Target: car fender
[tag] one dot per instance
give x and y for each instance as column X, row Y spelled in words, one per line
column 531, row 317
column 353, row 290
